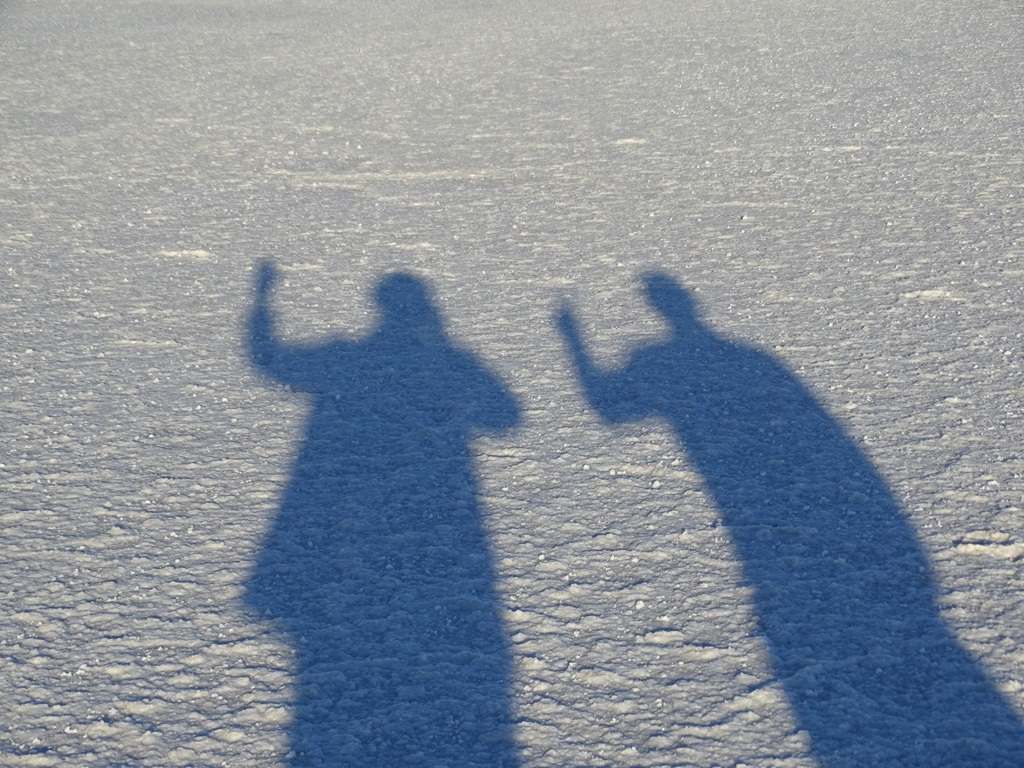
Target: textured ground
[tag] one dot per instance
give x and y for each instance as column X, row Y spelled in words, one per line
column 840, row 186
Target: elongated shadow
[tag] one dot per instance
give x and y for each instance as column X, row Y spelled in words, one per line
column 377, row 564
column 842, row 588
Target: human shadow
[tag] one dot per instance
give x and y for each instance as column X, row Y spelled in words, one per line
column 841, row 586
column 377, row 565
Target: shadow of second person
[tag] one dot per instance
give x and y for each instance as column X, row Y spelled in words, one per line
column 841, row 586
column 377, row 564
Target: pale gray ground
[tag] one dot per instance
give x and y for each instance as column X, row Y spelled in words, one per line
column 839, row 183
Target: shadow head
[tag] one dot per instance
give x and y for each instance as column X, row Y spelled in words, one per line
column 671, row 300
column 406, row 300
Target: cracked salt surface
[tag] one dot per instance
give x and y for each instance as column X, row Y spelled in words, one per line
column 839, row 194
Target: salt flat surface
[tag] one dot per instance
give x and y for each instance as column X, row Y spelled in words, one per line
column 691, row 435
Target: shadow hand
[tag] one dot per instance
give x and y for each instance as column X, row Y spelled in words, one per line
column 266, row 277
column 566, row 322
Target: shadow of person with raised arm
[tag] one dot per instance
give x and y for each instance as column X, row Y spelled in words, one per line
column 842, row 588
column 378, row 564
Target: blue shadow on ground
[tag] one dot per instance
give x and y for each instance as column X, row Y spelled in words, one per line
column 842, row 588
column 377, row 565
